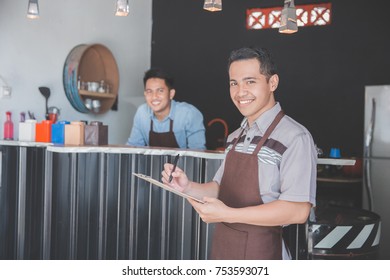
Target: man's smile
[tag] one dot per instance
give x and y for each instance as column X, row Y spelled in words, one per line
column 245, row 101
column 156, row 102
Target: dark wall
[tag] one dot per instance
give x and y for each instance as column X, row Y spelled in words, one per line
column 323, row 70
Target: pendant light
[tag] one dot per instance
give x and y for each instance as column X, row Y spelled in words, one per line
column 288, row 19
column 33, row 9
column 213, row 5
column 122, row 8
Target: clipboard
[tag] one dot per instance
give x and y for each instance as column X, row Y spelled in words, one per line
column 166, row 187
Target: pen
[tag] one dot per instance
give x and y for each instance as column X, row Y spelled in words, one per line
column 174, row 167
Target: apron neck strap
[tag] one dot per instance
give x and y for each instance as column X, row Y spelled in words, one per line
column 268, row 132
column 170, row 125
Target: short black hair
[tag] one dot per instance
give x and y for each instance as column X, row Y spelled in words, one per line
column 159, row 73
column 267, row 65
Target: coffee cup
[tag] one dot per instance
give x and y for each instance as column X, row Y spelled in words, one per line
column 335, row 153
column 96, row 105
column 93, row 86
column 88, row 103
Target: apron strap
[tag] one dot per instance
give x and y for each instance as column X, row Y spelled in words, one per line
column 238, row 138
column 268, row 132
column 171, row 125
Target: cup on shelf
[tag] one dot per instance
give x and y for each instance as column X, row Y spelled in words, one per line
column 83, row 85
column 335, row 153
column 334, row 170
column 88, row 103
column 102, row 87
column 96, row 105
column 93, row 86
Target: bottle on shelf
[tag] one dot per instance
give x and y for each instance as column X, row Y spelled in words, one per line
column 79, row 83
column 102, row 87
column 8, row 127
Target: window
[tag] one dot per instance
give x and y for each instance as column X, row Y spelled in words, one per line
column 307, row 15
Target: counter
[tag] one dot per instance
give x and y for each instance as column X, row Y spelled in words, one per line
column 61, row 202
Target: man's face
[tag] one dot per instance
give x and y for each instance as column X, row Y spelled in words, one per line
column 249, row 90
column 158, row 97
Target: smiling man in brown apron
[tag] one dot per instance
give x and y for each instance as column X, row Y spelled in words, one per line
column 164, row 122
column 268, row 178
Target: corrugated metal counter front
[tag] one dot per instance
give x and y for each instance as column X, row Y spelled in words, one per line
column 96, row 208
column 92, row 207
column 61, row 202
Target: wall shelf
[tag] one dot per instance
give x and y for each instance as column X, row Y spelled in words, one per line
column 92, row 94
column 90, row 63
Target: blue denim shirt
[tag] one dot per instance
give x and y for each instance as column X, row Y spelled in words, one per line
column 188, row 126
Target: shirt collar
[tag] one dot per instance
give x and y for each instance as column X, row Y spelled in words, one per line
column 265, row 120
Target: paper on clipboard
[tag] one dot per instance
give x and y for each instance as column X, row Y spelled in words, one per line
column 165, row 187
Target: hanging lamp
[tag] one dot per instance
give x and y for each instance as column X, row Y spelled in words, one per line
column 122, row 8
column 288, row 19
column 213, row 5
column 33, row 9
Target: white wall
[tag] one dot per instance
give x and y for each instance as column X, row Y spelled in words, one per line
column 33, row 52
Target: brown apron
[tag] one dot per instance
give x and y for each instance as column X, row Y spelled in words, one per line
column 163, row 139
column 240, row 188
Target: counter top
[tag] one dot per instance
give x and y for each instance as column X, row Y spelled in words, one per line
column 339, row 179
column 336, row 161
column 124, row 149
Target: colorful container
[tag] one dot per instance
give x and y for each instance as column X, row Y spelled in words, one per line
column 8, row 127
column 96, row 134
column 58, row 132
column 74, row 133
column 43, row 131
column 27, row 130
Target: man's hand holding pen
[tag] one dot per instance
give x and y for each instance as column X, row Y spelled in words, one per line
column 179, row 179
column 213, row 210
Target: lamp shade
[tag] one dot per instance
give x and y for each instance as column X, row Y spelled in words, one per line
column 213, row 5
column 122, row 8
column 288, row 19
column 33, row 9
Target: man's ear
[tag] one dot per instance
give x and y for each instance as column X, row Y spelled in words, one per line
column 274, row 82
column 172, row 93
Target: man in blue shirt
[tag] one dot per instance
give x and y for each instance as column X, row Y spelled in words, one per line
column 164, row 122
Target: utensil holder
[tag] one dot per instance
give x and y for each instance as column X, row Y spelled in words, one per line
column 27, row 130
